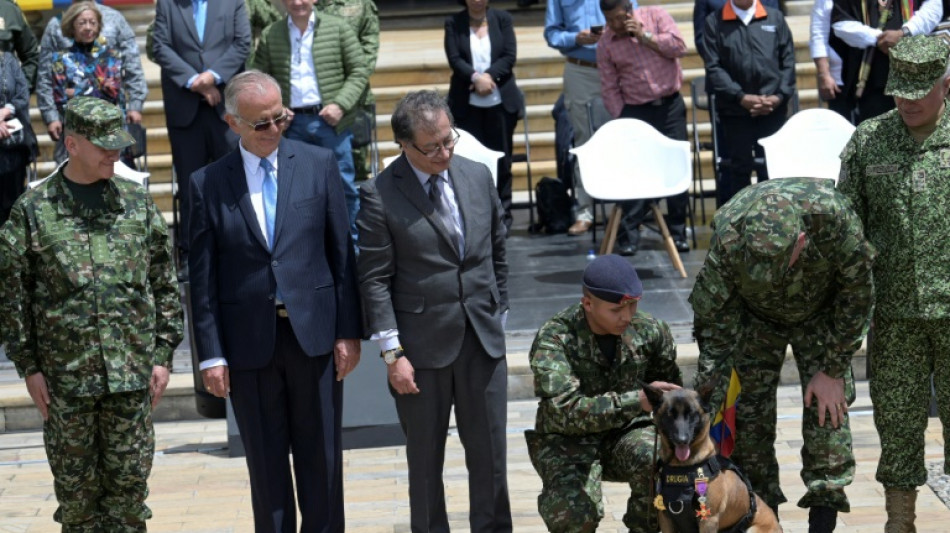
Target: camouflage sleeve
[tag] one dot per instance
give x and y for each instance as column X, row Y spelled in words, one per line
column 850, row 179
column 717, row 314
column 368, row 34
column 854, row 299
column 662, row 357
column 133, row 75
column 169, row 323
column 16, row 293
column 563, row 407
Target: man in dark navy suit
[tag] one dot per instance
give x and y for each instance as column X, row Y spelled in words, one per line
column 275, row 305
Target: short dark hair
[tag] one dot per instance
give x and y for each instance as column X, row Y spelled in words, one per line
column 418, row 110
column 610, row 5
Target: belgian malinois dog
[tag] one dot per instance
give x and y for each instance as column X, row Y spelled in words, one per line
column 682, row 422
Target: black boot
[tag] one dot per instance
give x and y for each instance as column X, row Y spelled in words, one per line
column 822, row 519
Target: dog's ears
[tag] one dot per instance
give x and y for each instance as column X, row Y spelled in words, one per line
column 653, row 394
column 706, row 389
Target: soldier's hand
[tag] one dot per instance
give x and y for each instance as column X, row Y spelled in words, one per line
column 36, row 386
column 402, row 377
column 346, row 355
column 830, row 395
column 217, row 380
column 663, row 386
column 158, row 383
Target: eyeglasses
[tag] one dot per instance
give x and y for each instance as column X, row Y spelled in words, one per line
column 264, row 125
column 447, row 145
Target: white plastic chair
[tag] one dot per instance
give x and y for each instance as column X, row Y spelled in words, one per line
column 470, row 148
column 627, row 159
column 808, row 145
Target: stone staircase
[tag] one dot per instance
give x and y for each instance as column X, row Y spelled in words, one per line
column 411, row 57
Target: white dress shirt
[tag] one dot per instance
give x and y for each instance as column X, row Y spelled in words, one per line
column 745, row 15
column 820, row 33
column 858, row 35
column 481, row 61
column 303, row 77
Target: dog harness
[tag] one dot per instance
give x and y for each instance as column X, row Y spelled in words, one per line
column 681, row 493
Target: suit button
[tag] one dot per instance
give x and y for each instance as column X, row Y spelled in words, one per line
column 273, row 264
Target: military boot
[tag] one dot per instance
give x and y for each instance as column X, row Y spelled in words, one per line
column 900, row 510
column 822, row 519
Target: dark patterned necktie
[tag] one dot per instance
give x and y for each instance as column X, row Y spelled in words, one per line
column 443, row 209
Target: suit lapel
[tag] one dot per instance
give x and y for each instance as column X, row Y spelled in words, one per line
column 464, row 197
column 285, row 183
column 407, row 182
column 188, row 13
column 237, row 179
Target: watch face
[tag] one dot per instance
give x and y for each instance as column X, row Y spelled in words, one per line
column 389, row 357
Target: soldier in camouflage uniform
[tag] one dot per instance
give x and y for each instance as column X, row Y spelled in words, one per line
column 16, row 36
column 896, row 171
column 363, row 17
column 788, row 264
column 91, row 315
column 593, row 421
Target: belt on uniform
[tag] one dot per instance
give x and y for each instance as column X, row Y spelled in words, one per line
column 282, row 311
column 581, row 62
column 307, row 110
column 659, row 101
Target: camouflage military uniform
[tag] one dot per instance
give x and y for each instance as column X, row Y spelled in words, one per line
column 363, row 17
column 261, row 13
column 16, row 36
column 589, row 424
column 900, row 188
column 749, row 306
column 90, row 300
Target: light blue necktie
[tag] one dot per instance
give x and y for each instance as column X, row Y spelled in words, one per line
column 201, row 14
column 269, row 197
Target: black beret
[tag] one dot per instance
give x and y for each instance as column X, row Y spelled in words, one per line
column 612, row 279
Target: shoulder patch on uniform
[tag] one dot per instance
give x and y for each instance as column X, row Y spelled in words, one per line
column 945, row 158
column 878, row 170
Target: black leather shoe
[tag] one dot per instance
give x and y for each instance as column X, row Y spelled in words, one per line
column 681, row 245
column 627, row 250
column 822, row 519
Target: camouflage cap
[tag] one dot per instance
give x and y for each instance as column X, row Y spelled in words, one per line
column 772, row 228
column 98, row 121
column 916, row 64
column 612, row 279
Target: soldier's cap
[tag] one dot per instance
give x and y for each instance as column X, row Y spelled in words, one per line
column 98, row 121
column 917, row 63
column 772, row 226
column 613, row 279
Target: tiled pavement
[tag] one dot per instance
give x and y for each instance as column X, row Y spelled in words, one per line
column 196, row 487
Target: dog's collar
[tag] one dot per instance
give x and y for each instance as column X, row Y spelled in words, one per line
column 681, row 493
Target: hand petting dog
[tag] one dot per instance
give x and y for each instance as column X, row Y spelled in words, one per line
column 830, row 394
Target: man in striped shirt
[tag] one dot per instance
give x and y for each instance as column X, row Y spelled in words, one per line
column 638, row 59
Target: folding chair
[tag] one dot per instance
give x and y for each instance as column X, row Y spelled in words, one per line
column 525, row 157
column 700, row 102
column 627, row 159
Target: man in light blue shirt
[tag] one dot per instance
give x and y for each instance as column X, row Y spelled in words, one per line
column 574, row 31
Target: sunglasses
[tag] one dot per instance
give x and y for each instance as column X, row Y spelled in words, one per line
column 265, row 125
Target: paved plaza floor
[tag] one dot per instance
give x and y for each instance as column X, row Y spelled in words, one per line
column 196, row 487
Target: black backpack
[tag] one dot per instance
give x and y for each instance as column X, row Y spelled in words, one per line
column 554, row 206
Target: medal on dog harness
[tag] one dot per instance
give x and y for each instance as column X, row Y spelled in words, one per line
column 701, row 486
column 684, row 488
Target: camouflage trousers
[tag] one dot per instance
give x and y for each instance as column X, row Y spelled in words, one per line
column 904, row 355
column 827, row 456
column 100, row 450
column 572, row 469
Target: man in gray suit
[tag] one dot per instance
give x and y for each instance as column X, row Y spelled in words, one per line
column 433, row 279
column 200, row 45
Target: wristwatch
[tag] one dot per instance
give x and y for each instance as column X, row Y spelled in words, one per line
column 390, row 356
column 905, row 31
column 648, row 35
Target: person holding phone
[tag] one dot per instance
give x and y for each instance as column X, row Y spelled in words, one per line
column 638, row 58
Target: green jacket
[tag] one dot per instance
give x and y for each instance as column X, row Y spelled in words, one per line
column 580, row 391
column 899, row 189
column 341, row 69
column 89, row 296
column 831, row 278
column 363, row 17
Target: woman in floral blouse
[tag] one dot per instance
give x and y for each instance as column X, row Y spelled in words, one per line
column 87, row 68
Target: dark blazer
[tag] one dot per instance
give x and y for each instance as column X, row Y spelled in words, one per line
column 504, row 51
column 411, row 276
column 181, row 55
column 234, row 277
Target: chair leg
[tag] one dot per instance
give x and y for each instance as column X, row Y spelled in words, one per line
column 668, row 240
column 610, row 233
